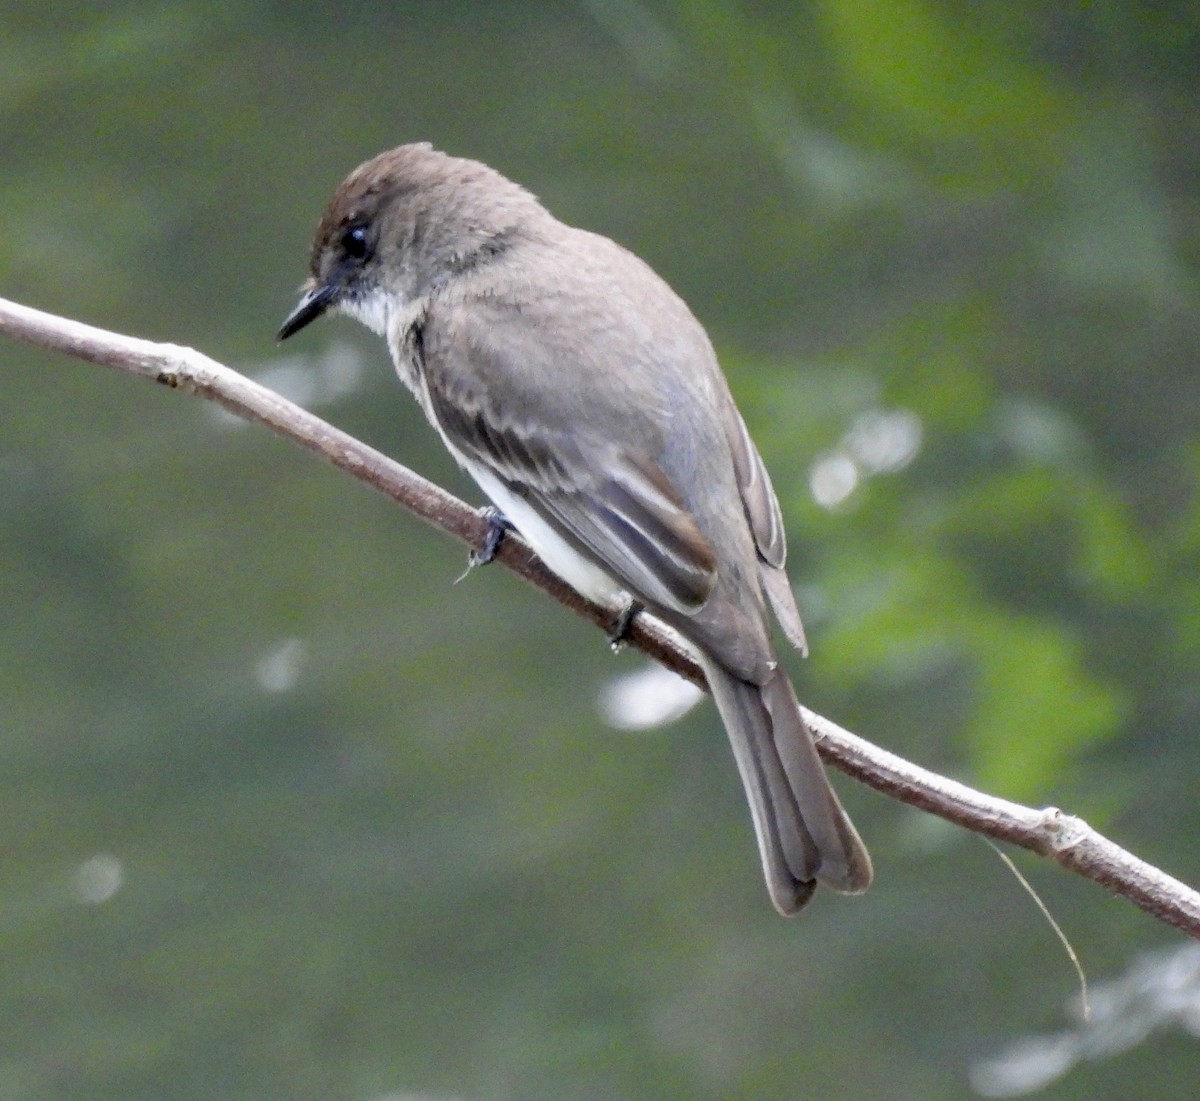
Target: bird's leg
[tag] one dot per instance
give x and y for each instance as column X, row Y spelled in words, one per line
column 620, row 629
column 498, row 526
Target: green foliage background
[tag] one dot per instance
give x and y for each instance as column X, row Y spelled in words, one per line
column 415, row 862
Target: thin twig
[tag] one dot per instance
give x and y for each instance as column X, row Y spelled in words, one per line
column 1085, row 1001
column 1049, row 832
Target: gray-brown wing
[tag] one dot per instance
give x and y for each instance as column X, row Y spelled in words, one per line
column 766, row 522
column 758, row 495
column 617, row 507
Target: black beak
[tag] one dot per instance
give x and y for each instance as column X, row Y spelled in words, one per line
column 309, row 308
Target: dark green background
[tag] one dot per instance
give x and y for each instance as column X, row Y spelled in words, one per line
column 420, row 864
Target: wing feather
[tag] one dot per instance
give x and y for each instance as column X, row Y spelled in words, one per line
column 766, row 522
column 617, row 507
column 758, row 495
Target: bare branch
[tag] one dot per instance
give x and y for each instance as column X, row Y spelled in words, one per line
column 1049, row 832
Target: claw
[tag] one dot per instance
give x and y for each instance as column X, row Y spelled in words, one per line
column 620, row 630
column 498, row 526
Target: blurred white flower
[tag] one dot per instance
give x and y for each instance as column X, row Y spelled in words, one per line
column 1159, row 990
column 98, row 878
column 832, row 479
column 878, row 441
column 651, row 697
column 883, row 441
column 279, row 671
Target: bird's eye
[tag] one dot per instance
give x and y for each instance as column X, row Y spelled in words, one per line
column 354, row 243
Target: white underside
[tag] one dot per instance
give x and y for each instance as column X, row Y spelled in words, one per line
column 583, row 576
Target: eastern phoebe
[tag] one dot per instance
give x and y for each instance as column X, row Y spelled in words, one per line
column 585, row 399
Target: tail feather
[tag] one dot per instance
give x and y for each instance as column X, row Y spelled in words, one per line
column 804, row 835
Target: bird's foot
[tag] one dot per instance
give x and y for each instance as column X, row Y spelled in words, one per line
column 619, row 634
column 498, row 526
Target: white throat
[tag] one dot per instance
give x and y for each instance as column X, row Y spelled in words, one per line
column 374, row 310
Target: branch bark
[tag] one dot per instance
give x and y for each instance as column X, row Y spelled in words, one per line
column 1064, row 838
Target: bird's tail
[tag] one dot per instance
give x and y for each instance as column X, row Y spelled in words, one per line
column 804, row 836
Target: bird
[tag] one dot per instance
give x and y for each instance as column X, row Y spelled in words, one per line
column 585, row 399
